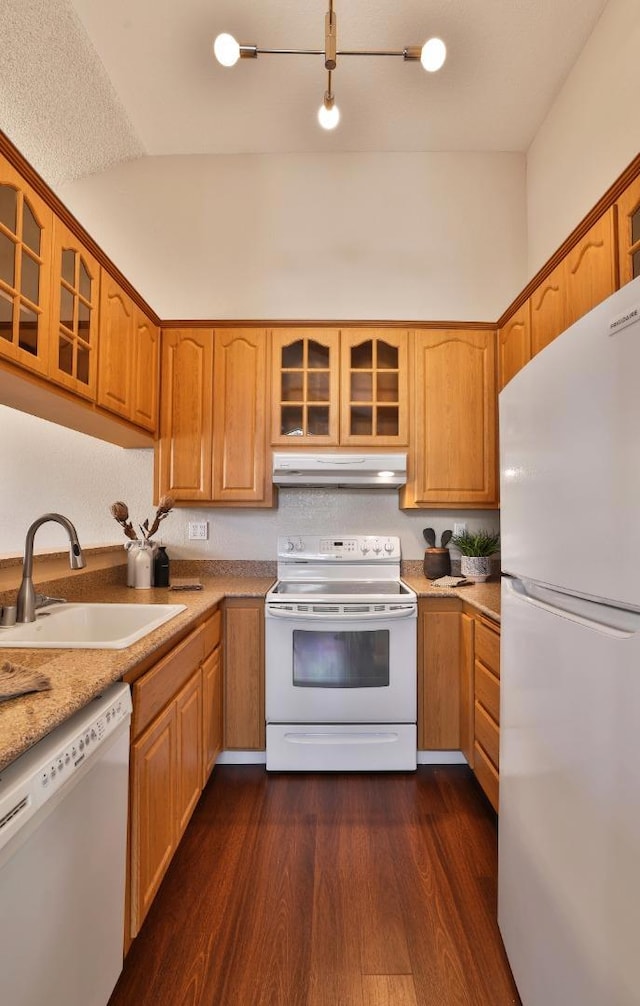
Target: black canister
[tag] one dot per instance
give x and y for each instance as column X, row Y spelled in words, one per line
column 437, row 562
column 161, row 567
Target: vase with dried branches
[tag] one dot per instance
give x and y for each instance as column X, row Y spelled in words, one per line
column 120, row 511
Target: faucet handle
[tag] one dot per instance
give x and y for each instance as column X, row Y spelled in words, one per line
column 43, row 599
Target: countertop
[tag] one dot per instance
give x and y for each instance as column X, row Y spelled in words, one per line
column 77, row 676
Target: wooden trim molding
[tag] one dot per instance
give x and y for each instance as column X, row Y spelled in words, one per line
column 305, row 323
column 610, row 197
column 13, row 155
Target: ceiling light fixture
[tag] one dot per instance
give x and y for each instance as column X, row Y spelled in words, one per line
column 432, row 55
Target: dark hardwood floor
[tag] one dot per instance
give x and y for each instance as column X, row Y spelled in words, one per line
column 327, row 890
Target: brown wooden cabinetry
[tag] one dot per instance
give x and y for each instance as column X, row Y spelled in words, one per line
column 175, row 740
column 244, row 724
column 340, row 387
column 145, row 367
column 26, row 233
column 480, row 699
column 454, row 430
column 75, row 302
column 514, row 344
column 439, row 673
column 628, row 212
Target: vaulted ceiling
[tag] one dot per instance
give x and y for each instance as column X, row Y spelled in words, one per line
column 84, row 83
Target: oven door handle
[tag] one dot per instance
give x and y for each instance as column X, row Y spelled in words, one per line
column 276, row 611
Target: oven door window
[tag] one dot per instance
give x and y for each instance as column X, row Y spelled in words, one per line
column 326, row 659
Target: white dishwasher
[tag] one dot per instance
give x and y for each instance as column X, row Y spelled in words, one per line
column 63, row 842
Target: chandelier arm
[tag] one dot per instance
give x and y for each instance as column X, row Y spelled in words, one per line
column 290, row 52
column 339, row 52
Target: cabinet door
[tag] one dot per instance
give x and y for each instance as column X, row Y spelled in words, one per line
column 548, row 310
column 628, row 210
column 117, row 349
column 373, row 379
column 467, row 697
column 244, row 726
column 75, row 299
column 304, row 386
column 514, row 345
column 455, row 421
column 240, row 417
column 153, row 811
column 26, row 229
column 439, row 674
column 144, row 391
column 183, row 453
column 211, row 712
column 591, row 269
column 189, row 750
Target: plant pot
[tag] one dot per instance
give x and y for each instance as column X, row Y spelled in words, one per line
column 475, row 567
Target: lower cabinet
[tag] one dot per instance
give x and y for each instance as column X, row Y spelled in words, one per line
column 244, row 724
column 439, row 673
column 480, row 699
column 176, row 736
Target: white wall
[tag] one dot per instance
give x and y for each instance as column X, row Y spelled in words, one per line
column 590, row 134
column 340, row 236
column 49, row 468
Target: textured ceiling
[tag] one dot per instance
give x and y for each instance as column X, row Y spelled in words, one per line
column 84, row 83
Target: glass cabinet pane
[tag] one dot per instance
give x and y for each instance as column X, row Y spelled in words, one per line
column 291, row 386
column 28, row 330
column 65, row 355
column 66, row 308
column 30, row 279
column 387, row 421
column 318, row 420
column 362, row 356
column 387, row 387
column 361, row 387
column 318, row 386
column 361, row 424
column 387, row 356
column 83, row 364
column 636, row 264
column 6, row 316
column 291, row 424
column 68, row 266
column 318, row 356
column 635, row 227
column 9, row 207
column 84, row 321
column 85, row 281
column 7, row 260
column 30, row 228
column 293, row 355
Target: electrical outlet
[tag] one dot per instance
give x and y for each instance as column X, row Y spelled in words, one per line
column 198, row 530
column 459, row 528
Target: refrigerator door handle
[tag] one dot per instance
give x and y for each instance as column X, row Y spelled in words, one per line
column 619, row 623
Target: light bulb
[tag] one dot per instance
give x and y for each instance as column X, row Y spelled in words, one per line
column 226, row 49
column 433, row 55
column 328, row 117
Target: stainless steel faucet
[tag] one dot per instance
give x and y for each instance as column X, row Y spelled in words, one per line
column 26, row 601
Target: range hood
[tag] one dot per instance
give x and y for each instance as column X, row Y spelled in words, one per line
column 340, row 471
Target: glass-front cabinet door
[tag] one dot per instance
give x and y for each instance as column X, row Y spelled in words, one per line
column 26, row 225
column 75, row 297
column 305, row 386
column 628, row 210
column 374, row 395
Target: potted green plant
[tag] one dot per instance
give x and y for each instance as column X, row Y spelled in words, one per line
column 476, row 547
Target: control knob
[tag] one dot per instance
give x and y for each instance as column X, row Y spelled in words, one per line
column 377, row 548
column 388, row 546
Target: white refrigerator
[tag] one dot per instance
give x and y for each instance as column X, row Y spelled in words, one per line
column 569, row 824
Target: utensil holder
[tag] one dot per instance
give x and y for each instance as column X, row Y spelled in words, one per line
column 437, row 562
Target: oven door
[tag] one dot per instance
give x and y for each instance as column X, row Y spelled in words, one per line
column 358, row 668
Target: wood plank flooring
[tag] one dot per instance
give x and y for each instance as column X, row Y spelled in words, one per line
column 327, row 890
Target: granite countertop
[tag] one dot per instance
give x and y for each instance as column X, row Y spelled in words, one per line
column 77, row 676
column 484, row 596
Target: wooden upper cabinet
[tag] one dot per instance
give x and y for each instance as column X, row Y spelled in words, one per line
column 75, row 301
column 548, row 310
column 304, row 386
column 514, row 344
column 590, row 268
column 374, row 382
column 145, row 377
column 183, row 454
column 26, row 233
column 116, row 353
column 454, row 437
column 240, row 410
column 628, row 212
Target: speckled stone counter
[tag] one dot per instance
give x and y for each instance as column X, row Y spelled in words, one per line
column 484, row 596
column 77, row 676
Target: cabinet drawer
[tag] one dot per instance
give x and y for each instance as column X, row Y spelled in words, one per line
column 488, row 645
column 156, row 688
column 486, row 775
column 487, row 734
column 488, row 690
column 212, row 632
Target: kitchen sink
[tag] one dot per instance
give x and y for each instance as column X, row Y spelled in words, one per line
column 71, row 626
